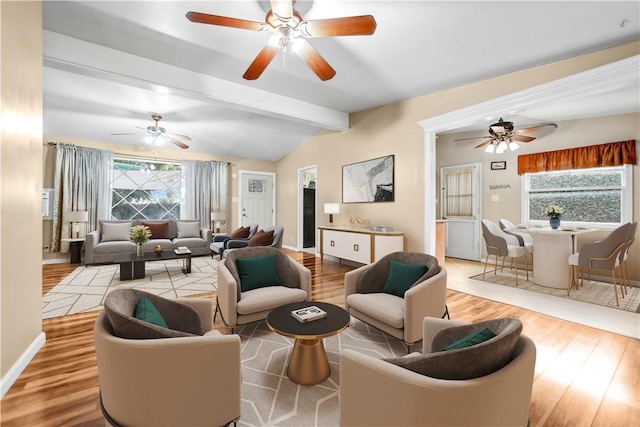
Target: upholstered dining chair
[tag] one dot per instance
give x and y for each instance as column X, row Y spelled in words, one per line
column 624, row 256
column 252, row 281
column 602, row 255
column 524, row 239
column 502, row 245
column 181, row 374
column 218, row 245
column 396, row 292
column 486, row 384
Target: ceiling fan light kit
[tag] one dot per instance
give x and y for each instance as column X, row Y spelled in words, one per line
column 289, row 28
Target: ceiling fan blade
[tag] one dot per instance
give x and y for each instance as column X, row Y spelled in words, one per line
column 260, row 62
column 127, row 133
column 176, row 142
column 488, row 141
column 204, row 18
column 177, row 135
column 283, row 9
column 547, row 126
column 467, row 139
column 314, row 60
column 522, row 138
column 363, row 25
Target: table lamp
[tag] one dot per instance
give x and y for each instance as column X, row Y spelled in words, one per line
column 216, row 218
column 331, row 208
column 76, row 218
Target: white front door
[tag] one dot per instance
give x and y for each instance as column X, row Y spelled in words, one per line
column 460, row 206
column 257, row 199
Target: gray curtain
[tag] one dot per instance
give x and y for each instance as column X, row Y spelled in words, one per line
column 206, row 190
column 82, row 183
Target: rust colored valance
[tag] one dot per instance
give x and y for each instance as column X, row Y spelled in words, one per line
column 592, row 156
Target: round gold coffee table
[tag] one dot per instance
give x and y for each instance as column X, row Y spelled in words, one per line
column 308, row 364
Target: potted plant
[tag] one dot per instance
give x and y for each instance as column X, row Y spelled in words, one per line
column 139, row 234
column 554, row 212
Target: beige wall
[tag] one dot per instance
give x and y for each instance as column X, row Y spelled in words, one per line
column 144, row 152
column 21, row 180
column 573, row 133
column 393, row 129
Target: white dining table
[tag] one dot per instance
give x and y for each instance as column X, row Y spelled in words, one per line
column 551, row 251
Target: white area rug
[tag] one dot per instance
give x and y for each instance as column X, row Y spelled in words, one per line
column 269, row 398
column 593, row 292
column 85, row 288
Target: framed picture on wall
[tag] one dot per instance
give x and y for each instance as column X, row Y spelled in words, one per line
column 495, row 166
column 368, row 181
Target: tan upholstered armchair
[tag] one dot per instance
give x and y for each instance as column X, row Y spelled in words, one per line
column 239, row 307
column 181, row 381
column 403, row 397
column 398, row 316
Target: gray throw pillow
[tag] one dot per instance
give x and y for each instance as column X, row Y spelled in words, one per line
column 112, row 231
column 188, row 229
column 469, row 362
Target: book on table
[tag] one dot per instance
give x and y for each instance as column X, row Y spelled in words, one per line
column 308, row 314
column 180, row 250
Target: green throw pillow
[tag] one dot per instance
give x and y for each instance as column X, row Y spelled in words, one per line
column 402, row 276
column 145, row 310
column 258, row 272
column 471, row 339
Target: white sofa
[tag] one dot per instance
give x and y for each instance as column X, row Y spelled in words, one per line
column 112, row 239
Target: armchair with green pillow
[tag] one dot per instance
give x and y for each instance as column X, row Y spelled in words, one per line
column 161, row 363
column 396, row 292
column 252, row 281
column 465, row 376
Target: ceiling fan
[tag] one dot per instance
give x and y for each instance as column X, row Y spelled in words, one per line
column 156, row 135
column 503, row 135
column 290, row 29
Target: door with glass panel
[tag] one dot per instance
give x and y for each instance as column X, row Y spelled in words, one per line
column 257, row 199
column 460, row 206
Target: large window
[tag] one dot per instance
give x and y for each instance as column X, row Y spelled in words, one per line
column 146, row 189
column 590, row 197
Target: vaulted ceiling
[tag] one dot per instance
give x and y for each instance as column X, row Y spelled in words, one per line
column 109, row 65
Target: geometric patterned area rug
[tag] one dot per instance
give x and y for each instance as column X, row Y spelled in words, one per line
column 85, row 288
column 593, row 291
column 270, row 398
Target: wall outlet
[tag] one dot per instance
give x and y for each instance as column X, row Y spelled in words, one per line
column 495, row 197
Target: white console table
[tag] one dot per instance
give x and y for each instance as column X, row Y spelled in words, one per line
column 358, row 244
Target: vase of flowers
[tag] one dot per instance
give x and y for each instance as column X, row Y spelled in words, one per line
column 139, row 234
column 554, row 212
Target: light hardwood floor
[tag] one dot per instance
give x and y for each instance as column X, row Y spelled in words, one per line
column 583, row 376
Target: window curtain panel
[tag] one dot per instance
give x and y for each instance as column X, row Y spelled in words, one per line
column 82, row 183
column 459, row 197
column 592, row 156
column 206, row 190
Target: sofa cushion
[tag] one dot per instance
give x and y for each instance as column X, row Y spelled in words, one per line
column 268, row 298
column 112, row 231
column 386, row 308
column 402, row 276
column 120, row 304
column 188, row 229
column 240, row 233
column 469, row 362
column 145, row 310
column 258, row 272
column 261, row 238
column 159, row 229
column 471, row 339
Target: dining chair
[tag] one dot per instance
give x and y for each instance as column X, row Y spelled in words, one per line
column 603, row 254
column 621, row 263
column 502, row 245
column 524, row 239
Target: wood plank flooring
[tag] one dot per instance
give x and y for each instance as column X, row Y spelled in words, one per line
column 583, row 376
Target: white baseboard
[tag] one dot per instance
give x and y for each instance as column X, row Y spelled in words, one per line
column 23, row 361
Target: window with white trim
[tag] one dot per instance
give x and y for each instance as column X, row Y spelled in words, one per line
column 598, row 197
column 146, row 189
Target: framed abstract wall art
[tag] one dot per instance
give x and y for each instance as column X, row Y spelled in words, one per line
column 368, row 181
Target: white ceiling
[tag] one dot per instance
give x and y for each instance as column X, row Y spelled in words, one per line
column 109, row 65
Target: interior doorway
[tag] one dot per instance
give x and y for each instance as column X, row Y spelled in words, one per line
column 307, row 182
